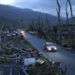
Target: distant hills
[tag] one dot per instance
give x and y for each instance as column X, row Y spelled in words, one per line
column 10, row 14
column 13, row 16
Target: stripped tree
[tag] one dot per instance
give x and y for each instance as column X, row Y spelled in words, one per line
column 70, row 5
column 67, row 14
column 58, row 9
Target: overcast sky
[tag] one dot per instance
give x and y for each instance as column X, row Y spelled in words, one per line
column 48, row 6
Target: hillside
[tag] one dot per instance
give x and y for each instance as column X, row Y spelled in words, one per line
column 14, row 15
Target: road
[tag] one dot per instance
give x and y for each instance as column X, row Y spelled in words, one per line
column 60, row 56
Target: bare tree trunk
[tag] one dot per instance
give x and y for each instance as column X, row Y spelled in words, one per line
column 69, row 2
column 67, row 14
column 59, row 12
column 59, row 19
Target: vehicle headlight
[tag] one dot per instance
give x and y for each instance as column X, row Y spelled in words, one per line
column 49, row 48
column 55, row 48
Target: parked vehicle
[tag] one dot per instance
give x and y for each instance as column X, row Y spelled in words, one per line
column 50, row 47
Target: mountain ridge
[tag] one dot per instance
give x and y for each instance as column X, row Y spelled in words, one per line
column 26, row 15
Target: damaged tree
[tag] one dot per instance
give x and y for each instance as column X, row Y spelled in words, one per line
column 70, row 5
column 67, row 14
column 58, row 12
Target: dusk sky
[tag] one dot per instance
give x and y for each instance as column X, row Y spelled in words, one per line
column 48, row 6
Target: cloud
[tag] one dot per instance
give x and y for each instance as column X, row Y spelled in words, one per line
column 48, row 6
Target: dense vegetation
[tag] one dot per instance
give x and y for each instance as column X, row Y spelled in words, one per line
column 11, row 48
column 47, row 68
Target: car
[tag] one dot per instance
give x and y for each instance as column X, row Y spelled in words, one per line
column 50, row 47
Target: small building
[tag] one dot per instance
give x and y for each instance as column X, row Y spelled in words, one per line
column 29, row 61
